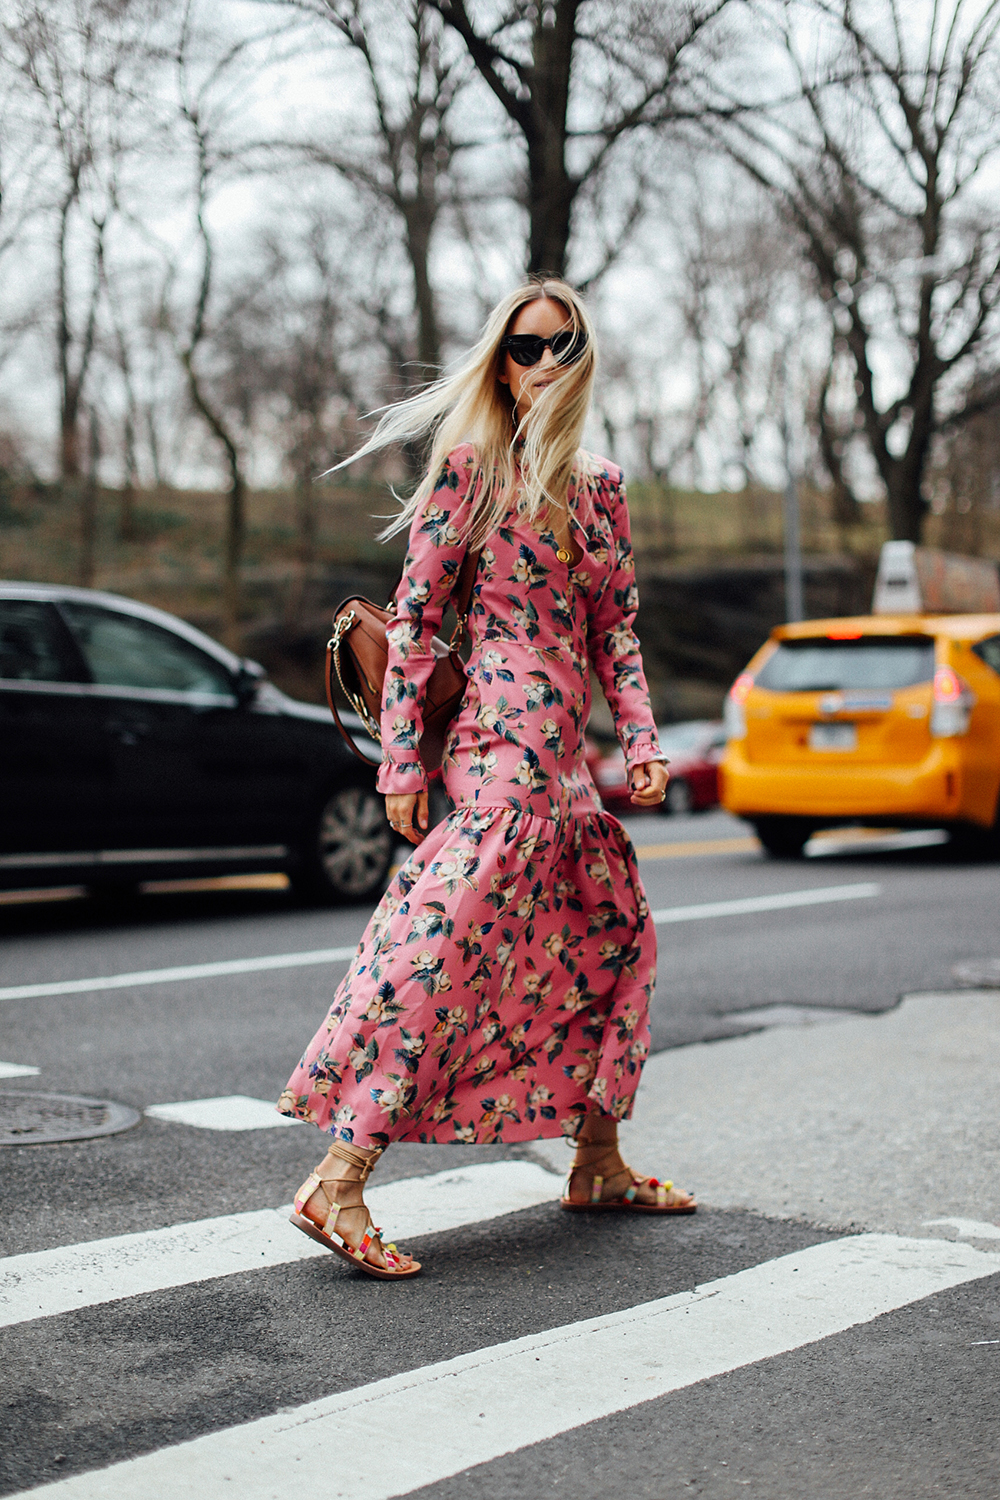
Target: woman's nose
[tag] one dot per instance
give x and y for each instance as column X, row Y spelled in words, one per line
column 548, row 359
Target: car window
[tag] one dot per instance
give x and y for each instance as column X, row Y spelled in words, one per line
column 123, row 651
column 33, row 644
column 989, row 652
column 817, row 665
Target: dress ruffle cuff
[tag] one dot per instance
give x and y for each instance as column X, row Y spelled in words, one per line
column 644, row 749
column 401, row 778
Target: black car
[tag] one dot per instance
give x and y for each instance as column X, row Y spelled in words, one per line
column 133, row 747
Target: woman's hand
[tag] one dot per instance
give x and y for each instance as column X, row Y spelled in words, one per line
column 648, row 780
column 408, row 815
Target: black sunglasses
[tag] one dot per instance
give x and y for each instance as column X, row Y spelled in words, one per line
column 527, row 348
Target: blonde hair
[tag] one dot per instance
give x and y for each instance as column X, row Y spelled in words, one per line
column 473, row 405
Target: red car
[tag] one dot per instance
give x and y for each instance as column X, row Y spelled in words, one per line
column 694, row 750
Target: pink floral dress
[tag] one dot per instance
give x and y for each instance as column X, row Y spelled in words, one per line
column 503, row 982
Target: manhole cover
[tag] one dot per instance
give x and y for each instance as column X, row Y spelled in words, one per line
column 978, row 973
column 28, row 1119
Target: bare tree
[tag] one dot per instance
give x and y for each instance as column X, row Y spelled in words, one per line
column 872, row 148
column 297, row 340
column 405, row 159
column 24, row 154
column 76, row 62
column 207, row 96
column 575, row 78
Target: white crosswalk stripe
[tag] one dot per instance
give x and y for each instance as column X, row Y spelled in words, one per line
column 420, row 1427
column 46, row 1283
column 749, row 905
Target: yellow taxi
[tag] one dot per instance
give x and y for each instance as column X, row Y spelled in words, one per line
column 890, row 720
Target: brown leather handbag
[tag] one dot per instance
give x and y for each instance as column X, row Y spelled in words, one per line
column 356, row 656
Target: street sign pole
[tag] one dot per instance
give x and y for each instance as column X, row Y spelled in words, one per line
column 794, row 606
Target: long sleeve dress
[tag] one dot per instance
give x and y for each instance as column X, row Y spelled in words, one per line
column 502, row 986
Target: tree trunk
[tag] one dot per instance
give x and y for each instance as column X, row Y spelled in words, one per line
column 235, row 505
column 306, row 529
column 235, row 537
column 538, row 109
column 88, row 509
column 551, row 189
column 550, row 203
column 126, row 514
column 905, row 502
column 845, row 506
column 419, row 225
column 69, row 390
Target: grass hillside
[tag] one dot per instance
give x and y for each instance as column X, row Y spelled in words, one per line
column 709, row 568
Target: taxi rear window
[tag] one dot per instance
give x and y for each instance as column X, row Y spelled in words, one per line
column 989, row 651
column 816, row 665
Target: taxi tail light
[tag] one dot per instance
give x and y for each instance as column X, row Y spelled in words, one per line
column 734, row 713
column 953, row 700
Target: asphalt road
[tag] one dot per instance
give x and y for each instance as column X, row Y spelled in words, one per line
column 896, row 1396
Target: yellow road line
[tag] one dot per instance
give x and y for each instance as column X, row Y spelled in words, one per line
column 42, row 893
column 686, row 848
column 272, row 881
column 275, row 881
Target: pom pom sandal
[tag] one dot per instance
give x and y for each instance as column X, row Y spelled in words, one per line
column 397, row 1266
column 627, row 1202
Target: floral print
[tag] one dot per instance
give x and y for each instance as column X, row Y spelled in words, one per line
column 501, row 988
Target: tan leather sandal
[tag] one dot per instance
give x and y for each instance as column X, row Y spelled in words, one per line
column 626, row 1203
column 398, row 1266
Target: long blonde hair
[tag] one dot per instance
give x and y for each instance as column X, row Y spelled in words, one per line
column 473, row 405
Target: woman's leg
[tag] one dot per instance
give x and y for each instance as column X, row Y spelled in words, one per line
column 597, row 1152
column 342, row 1181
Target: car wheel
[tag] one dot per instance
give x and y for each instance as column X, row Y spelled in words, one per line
column 349, row 849
column 969, row 842
column 679, row 798
column 783, row 838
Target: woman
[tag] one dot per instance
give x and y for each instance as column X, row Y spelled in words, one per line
column 501, row 989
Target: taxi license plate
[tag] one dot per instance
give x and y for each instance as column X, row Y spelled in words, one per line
column 833, row 737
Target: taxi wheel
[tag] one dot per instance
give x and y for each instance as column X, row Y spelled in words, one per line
column 969, row 842
column 783, row 838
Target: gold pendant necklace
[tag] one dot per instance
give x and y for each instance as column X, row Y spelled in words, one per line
column 563, row 555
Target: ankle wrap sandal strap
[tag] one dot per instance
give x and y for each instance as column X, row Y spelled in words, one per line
column 328, row 1234
column 597, row 1184
column 627, row 1200
column 365, row 1160
column 305, row 1192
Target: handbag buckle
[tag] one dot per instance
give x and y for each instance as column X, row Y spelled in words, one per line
column 341, row 627
column 458, row 634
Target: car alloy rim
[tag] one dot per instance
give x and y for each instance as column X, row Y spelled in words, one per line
column 355, row 841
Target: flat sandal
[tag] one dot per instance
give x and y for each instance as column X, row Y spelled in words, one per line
column 626, row 1203
column 395, row 1269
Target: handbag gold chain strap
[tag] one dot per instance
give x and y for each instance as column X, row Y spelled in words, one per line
column 343, row 625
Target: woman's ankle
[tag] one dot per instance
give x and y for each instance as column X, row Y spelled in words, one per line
column 598, row 1134
column 345, row 1175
